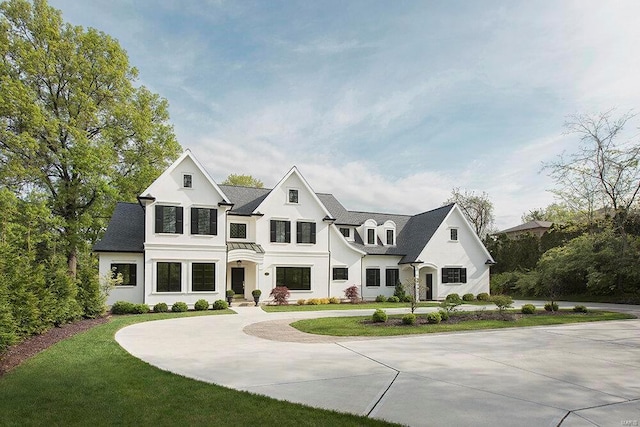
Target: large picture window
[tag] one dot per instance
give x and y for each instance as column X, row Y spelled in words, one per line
column 280, row 231
column 392, row 276
column 128, row 272
column 169, row 219
column 169, row 277
column 203, row 277
column 454, row 275
column 237, row 230
column 305, row 232
column 294, row 278
column 340, row 273
column 373, row 277
column 204, row 221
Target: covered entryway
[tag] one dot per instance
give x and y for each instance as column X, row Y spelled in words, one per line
column 237, row 280
column 244, row 261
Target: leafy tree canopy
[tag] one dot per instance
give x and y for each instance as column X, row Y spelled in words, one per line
column 243, row 181
column 477, row 208
column 73, row 126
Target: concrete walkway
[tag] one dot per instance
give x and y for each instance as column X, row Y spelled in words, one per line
column 569, row 375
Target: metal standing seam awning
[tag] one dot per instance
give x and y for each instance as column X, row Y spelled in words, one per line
column 245, row 251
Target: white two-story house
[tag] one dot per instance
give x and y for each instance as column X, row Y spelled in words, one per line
column 189, row 238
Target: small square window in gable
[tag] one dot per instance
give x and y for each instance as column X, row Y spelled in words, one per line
column 454, row 234
column 293, row 196
column 187, row 180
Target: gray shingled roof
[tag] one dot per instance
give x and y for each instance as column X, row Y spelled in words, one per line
column 125, row 232
column 528, row 226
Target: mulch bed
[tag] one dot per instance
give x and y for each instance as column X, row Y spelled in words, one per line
column 462, row 316
column 31, row 346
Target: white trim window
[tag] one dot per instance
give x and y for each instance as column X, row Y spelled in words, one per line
column 187, row 180
column 293, row 196
column 453, row 234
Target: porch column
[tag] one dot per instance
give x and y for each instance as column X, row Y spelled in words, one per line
column 416, row 278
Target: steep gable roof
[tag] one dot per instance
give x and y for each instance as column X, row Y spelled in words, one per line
column 245, row 199
column 528, row 226
column 125, row 232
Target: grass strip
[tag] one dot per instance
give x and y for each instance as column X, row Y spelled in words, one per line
column 344, row 306
column 354, row 326
column 89, row 379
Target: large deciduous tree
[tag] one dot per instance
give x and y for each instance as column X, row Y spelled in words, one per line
column 73, row 125
column 242, row 181
column 477, row 208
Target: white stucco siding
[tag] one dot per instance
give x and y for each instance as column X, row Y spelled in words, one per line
column 344, row 256
column 382, row 263
column 185, row 256
column 317, row 263
column 467, row 252
column 134, row 294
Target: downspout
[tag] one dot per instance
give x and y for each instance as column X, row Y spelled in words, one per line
column 329, row 220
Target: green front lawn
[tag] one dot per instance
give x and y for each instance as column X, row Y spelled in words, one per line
column 343, row 306
column 354, row 326
column 89, row 379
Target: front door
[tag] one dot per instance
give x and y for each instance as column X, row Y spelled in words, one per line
column 237, row 280
column 429, row 285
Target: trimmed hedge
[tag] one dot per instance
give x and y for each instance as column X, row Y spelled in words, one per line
column 409, row 319
column 220, row 305
column 379, row 316
column 483, row 296
column 179, row 307
column 528, row 309
column 201, row 305
column 160, row 307
column 434, row 318
column 468, row 297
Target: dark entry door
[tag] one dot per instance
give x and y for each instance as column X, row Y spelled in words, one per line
column 429, row 277
column 237, row 280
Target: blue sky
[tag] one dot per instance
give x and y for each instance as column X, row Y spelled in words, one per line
column 386, row 104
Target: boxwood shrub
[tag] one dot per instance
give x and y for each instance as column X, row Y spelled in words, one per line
column 140, row 309
column 468, row 297
column 393, row 299
column 444, row 315
column 220, row 305
column 201, row 305
column 454, row 299
column 580, row 309
column 381, row 298
column 160, row 307
column 379, row 316
column 434, row 318
column 483, row 296
column 528, row 309
column 551, row 306
column 409, row 319
column 179, row 307
column 122, row 307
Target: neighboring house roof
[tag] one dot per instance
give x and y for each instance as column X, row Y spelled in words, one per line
column 531, row 225
column 125, row 232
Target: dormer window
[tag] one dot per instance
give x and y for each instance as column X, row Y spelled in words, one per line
column 371, row 236
column 346, row 232
column 390, row 237
column 454, row 234
column 293, row 196
column 187, row 180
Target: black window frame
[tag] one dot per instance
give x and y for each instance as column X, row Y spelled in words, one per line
column 454, row 275
column 391, row 277
column 453, row 235
column 391, row 233
column 129, row 274
column 294, row 196
column 201, row 286
column 305, row 232
column 187, row 180
column 243, row 228
column 372, row 278
column 210, row 227
column 371, row 236
column 161, row 213
column 169, row 285
column 276, row 236
column 285, row 276
column 340, row 273
column 345, row 231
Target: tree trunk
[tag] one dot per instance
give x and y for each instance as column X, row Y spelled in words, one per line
column 72, row 263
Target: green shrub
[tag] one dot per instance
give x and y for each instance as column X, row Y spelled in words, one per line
column 483, row 296
column 528, row 309
column 453, row 299
column 334, row 300
column 122, row 307
column 201, row 305
column 220, row 305
column 399, row 292
column 502, row 302
column 301, row 302
column 393, row 299
column 379, row 316
column 551, row 306
column 444, row 315
column 140, row 308
column 256, row 293
column 381, row 298
column 179, row 307
column 434, row 318
column 7, row 329
column 468, row 297
column 580, row 309
column 160, row 307
column 230, row 293
column 313, row 301
column 407, row 298
column 409, row 319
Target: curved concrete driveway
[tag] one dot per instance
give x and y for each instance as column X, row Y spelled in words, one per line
column 571, row 375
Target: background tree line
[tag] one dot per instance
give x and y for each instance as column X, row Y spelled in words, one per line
column 76, row 136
